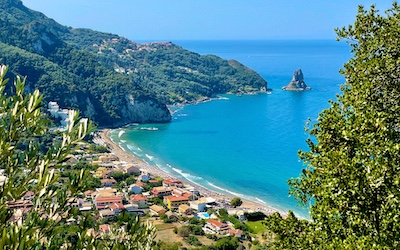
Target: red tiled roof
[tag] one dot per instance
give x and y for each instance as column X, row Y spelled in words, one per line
column 176, row 198
column 235, row 231
column 186, row 195
column 137, row 197
column 116, row 205
column 109, row 199
column 216, row 223
column 172, row 181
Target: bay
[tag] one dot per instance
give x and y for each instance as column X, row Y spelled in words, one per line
column 246, row 145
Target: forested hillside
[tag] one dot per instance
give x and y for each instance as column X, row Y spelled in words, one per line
column 112, row 80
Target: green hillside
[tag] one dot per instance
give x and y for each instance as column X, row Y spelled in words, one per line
column 112, row 80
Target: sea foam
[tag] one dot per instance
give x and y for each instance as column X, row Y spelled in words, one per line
column 121, row 133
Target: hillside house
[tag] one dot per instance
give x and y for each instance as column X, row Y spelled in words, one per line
column 103, row 202
column 157, row 210
column 185, row 209
column 161, row 191
column 139, row 200
column 216, row 227
column 106, row 213
column 108, row 182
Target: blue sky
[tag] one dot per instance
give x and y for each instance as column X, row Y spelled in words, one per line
column 169, row 20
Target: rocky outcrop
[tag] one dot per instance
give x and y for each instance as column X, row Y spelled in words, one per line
column 144, row 110
column 297, row 82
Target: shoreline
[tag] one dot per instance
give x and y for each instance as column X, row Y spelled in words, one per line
column 247, row 205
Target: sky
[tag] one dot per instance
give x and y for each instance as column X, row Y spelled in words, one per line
column 169, row 20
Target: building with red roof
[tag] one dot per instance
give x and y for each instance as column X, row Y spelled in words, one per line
column 172, row 182
column 173, row 202
column 139, row 200
column 216, row 227
column 103, row 202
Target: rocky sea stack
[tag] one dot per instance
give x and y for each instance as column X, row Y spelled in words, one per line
column 297, row 82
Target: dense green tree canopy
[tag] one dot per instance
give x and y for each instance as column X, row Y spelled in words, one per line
column 352, row 180
column 102, row 74
column 27, row 167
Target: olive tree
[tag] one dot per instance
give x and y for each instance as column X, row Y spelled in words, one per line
column 352, row 176
column 26, row 168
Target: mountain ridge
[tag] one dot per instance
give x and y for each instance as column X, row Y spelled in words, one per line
column 111, row 79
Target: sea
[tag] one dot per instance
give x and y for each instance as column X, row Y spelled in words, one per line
column 246, row 145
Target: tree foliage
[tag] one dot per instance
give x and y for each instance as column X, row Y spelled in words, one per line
column 101, row 74
column 352, row 177
column 30, row 169
column 236, row 202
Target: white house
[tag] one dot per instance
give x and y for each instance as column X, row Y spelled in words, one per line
column 198, row 205
column 216, row 227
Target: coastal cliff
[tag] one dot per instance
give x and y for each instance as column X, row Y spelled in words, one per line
column 111, row 79
column 297, row 83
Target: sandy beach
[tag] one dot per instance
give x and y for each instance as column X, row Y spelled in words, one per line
column 103, row 138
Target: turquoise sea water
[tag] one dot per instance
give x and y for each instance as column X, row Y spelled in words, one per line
column 246, row 145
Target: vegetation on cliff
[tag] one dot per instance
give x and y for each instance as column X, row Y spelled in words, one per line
column 352, row 181
column 105, row 75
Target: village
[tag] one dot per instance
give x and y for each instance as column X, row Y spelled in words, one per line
column 127, row 186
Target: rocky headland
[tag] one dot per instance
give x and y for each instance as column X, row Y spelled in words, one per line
column 297, row 82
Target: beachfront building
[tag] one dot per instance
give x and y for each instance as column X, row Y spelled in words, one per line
column 131, row 170
column 173, row 202
column 216, row 227
column 183, row 192
column 161, row 191
column 198, row 205
column 172, row 182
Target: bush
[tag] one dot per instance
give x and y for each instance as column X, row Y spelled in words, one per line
column 192, row 240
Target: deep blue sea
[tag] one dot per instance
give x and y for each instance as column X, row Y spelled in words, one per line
column 246, row 145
